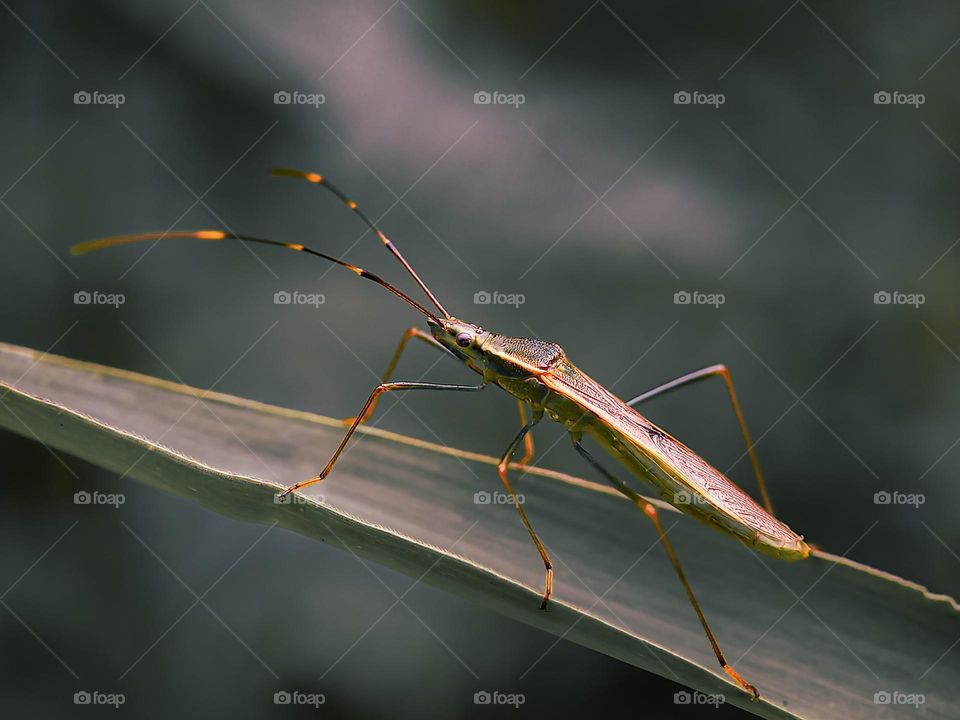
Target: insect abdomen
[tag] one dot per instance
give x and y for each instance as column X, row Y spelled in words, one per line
column 680, row 476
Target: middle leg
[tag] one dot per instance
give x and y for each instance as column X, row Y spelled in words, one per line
column 502, row 470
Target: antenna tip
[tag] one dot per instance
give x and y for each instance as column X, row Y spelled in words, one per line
column 210, row 235
column 295, row 246
column 290, row 172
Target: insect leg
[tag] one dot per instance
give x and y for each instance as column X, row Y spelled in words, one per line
column 527, row 439
column 707, row 372
column 377, row 391
column 426, row 337
column 651, row 512
column 502, row 470
column 413, row 332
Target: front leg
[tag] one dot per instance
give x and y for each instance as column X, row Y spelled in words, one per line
column 413, row 332
column 365, row 411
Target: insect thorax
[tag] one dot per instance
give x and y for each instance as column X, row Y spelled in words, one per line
column 534, row 353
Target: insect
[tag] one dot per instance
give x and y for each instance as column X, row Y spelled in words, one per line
column 541, row 378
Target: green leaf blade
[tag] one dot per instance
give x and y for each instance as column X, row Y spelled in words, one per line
column 409, row 505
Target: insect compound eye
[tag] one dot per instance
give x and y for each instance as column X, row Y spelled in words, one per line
column 464, row 339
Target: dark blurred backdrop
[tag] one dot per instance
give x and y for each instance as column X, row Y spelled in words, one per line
column 797, row 194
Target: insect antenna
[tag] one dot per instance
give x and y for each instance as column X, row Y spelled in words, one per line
column 102, row 243
column 320, row 180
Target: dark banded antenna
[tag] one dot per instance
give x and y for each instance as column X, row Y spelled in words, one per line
column 102, row 243
column 320, row 180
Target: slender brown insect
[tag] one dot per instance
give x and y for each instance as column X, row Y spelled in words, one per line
column 541, row 377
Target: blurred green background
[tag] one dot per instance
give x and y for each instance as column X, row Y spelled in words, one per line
column 597, row 199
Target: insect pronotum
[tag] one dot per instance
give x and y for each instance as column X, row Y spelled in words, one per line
column 542, row 379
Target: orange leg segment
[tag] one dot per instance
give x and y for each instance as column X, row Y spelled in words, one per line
column 502, row 470
column 651, row 512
